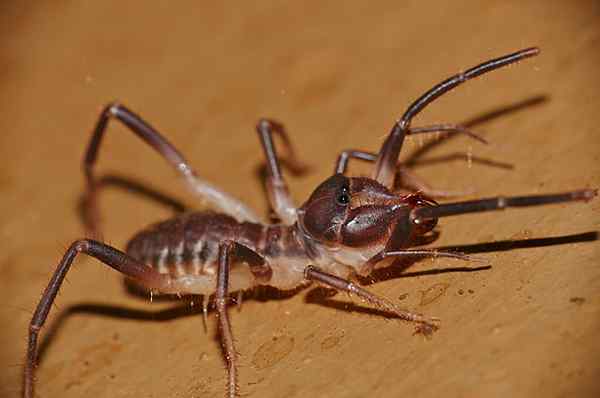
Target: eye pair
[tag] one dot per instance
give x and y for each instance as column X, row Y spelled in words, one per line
column 343, row 197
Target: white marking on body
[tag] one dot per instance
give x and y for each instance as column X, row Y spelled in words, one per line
column 240, row 295
column 178, row 263
column 160, row 265
column 196, row 257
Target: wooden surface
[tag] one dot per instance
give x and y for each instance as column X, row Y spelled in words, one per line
column 338, row 75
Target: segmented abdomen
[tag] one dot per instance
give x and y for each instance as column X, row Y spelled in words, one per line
column 188, row 245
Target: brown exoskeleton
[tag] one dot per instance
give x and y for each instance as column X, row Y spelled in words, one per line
column 347, row 227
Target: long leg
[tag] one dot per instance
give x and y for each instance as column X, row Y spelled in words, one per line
column 368, row 267
column 419, row 215
column 208, row 192
column 425, row 325
column 224, row 324
column 422, row 214
column 341, row 163
column 262, row 272
column 388, row 155
column 408, row 178
column 446, row 129
column 279, row 196
column 109, row 256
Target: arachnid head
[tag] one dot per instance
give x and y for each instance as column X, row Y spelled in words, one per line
column 360, row 212
column 364, row 212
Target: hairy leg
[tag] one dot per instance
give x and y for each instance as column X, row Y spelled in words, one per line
column 388, row 155
column 109, row 256
column 279, row 196
column 425, row 325
column 211, row 194
column 228, row 252
column 408, row 179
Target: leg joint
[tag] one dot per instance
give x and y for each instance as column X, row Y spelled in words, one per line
column 81, row 245
column 112, row 109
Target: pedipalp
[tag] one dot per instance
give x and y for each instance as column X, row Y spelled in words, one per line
column 388, row 154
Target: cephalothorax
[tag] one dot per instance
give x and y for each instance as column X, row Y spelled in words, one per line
column 347, row 227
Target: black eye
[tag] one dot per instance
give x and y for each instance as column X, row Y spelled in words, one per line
column 343, row 197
